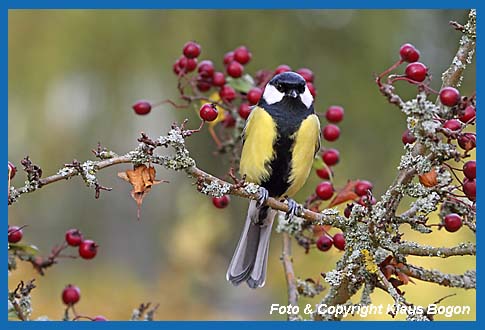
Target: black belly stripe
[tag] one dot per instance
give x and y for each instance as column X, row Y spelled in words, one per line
column 278, row 182
column 288, row 115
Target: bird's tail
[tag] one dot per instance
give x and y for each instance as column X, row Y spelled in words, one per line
column 250, row 259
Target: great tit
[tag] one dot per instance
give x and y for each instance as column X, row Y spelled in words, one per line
column 280, row 140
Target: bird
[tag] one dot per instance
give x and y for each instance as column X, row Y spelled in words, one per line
column 280, row 140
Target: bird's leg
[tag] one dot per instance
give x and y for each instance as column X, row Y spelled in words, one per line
column 263, row 197
column 294, row 209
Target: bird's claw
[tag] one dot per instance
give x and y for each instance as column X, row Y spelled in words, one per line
column 263, row 197
column 294, row 209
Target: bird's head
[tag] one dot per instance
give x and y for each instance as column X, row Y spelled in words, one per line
column 289, row 85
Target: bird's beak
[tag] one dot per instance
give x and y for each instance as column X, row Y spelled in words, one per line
column 292, row 93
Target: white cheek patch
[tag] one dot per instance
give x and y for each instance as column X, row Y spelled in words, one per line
column 271, row 95
column 307, row 98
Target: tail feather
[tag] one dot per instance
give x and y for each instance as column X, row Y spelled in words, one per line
column 250, row 259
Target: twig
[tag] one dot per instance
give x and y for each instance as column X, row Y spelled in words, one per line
column 287, row 262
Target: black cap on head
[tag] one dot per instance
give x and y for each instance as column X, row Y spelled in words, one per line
column 288, row 81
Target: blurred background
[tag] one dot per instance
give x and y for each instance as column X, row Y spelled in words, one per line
column 73, row 76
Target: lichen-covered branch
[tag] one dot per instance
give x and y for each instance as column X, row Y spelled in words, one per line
column 454, row 74
column 415, row 249
column 468, row 280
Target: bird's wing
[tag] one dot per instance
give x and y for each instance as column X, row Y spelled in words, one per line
column 259, row 136
column 307, row 143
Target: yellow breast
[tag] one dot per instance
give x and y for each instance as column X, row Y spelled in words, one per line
column 260, row 133
column 307, row 143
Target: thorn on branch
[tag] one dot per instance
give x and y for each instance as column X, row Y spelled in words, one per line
column 98, row 188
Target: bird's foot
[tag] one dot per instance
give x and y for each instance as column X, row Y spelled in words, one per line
column 294, row 209
column 263, row 197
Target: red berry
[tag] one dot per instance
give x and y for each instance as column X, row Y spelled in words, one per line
column 254, row 95
column 235, row 69
column 467, row 141
column 182, row 62
column 470, row 169
column 227, row 93
column 470, row 189
column 242, row 55
column 208, row 112
column 142, row 107
column 334, row 114
column 452, row 124
column 244, row 110
column 331, row 132
column 363, row 200
column 203, row 84
column 282, row 68
column 449, row 96
column 176, row 68
column 312, row 89
column 206, row 69
column 228, row 58
column 71, row 294
column 416, row 71
column 324, row 190
column 339, row 241
column 191, row 49
column 15, row 234
column 408, row 137
column 348, row 210
column 74, row 237
column 362, row 186
column 100, row 318
column 468, row 115
column 218, row 79
column 452, row 222
column 221, row 202
column 331, row 157
column 88, row 249
column 191, row 64
column 307, row 74
column 12, row 170
column 229, row 120
column 324, row 243
column 324, row 173
column 409, row 53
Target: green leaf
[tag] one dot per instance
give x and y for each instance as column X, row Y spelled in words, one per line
column 26, row 248
column 243, row 84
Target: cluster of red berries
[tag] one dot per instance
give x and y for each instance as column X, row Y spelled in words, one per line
column 416, row 71
column 331, row 156
column 71, row 295
column 325, row 242
column 470, row 183
column 87, row 248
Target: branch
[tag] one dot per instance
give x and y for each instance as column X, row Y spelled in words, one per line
column 180, row 160
column 454, row 74
column 287, row 261
column 411, row 248
column 465, row 281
